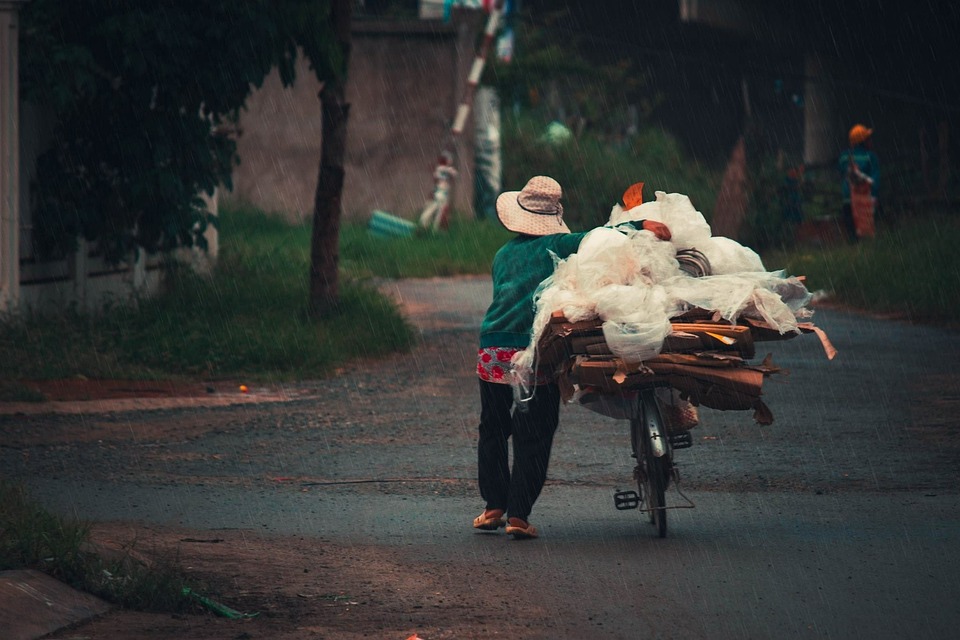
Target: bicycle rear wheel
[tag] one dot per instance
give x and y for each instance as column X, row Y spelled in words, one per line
column 655, row 491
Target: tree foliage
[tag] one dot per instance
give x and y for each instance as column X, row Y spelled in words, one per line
column 144, row 94
column 559, row 70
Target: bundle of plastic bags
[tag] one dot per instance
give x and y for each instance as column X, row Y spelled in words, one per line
column 632, row 281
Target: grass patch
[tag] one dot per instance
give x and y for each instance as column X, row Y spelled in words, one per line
column 467, row 247
column 908, row 268
column 32, row 538
column 247, row 319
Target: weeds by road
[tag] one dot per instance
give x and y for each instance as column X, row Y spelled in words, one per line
column 911, row 269
column 33, row 538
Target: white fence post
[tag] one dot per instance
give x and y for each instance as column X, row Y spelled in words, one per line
column 9, row 158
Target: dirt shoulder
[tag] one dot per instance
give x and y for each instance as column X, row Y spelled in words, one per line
column 299, row 586
column 304, row 588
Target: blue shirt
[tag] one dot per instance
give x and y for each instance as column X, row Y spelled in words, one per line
column 868, row 163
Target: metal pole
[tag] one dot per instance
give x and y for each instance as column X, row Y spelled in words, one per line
column 436, row 213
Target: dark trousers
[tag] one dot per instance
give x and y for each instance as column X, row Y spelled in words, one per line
column 532, row 431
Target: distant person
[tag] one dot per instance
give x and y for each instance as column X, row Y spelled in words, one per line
column 860, row 183
column 436, row 214
column 536, row 216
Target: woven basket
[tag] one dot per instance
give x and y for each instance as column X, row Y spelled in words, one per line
column 678, row 414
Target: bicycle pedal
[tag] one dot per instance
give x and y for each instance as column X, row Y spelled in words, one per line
column 624, row 500
column 682, row 440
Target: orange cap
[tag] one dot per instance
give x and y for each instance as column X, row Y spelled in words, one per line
column 859, row 134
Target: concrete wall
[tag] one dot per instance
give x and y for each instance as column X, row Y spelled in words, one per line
column 405, row 81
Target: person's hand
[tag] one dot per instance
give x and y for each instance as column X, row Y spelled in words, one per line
column 658, row 228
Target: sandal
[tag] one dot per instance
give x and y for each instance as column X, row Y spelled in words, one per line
column 489, row 520
column 521, row 529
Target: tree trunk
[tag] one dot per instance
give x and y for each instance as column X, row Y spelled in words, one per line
column 325, row 239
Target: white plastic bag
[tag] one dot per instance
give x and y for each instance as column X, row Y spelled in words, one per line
column 635, row 342
column 688, row 227
column 729, row 256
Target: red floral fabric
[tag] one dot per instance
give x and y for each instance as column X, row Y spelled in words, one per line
column 493, row 365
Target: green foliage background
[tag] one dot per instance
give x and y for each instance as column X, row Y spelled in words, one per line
column 594, row 171
column 144, row 95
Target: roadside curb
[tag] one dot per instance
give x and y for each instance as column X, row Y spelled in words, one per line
column 35, row 605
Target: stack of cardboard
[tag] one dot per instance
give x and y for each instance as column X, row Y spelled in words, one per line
column 703, row 358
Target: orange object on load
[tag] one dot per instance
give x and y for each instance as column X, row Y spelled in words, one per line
column 633, row 196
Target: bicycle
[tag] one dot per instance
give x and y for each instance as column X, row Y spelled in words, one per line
column 651, row 443
column 702, row 362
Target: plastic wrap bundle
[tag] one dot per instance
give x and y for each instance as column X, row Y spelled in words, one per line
column 613, row 276
column 633, row 283
column 768, row 296
column 689, row 230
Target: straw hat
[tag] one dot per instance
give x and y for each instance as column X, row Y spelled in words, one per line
column 535, row 210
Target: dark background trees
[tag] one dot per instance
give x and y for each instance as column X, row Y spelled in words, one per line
column 143, row 95
column 900, row 53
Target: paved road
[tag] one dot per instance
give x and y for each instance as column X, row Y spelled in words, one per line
column 840, row 520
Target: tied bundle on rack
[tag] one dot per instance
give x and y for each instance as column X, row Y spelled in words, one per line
column 706, row 361
column 621, row 314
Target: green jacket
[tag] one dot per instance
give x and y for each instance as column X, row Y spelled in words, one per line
column 518, row 269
